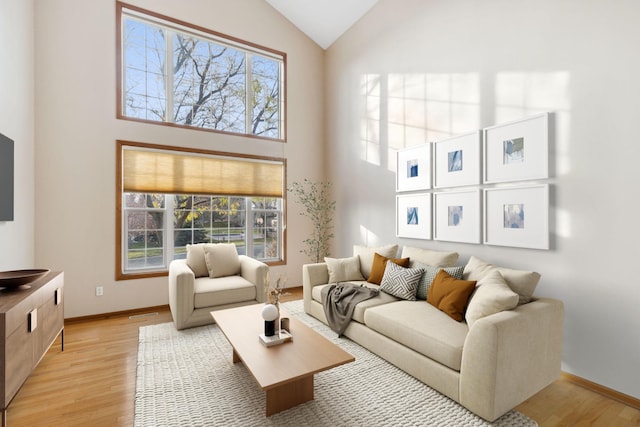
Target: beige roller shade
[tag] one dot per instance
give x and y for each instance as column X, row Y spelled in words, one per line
column 161, row 171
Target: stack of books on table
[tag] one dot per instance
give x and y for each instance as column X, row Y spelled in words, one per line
column 279, row 337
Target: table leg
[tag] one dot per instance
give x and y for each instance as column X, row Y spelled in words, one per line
column 289, row 395
column 236, row 357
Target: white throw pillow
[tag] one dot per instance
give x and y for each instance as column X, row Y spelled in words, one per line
column 222, row 259
column 426, row 256
column 401, row 282
column 366, row 256
column 343, row 269
column 521, row 282
column 195, row 260
column 492, row 295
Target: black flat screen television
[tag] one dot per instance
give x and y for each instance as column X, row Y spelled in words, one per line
column 6, row 178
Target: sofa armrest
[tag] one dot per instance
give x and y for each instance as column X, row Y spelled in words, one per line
column 181, row 285
column 257, row 272
column 313, row 275
column 510, row 356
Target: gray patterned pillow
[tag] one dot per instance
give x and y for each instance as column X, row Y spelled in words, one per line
column 430, row 274
column 401, row 282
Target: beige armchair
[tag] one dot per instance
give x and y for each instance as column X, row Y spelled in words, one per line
column 213, row 277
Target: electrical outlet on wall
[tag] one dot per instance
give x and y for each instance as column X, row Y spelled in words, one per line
column 99, row 291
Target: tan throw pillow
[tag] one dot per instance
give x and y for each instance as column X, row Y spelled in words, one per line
column 343, row 269
column 450, row 295
column 379, row 265
column 492, row 295
column 426, row 256
column 195, row 260
column 521, row 282
column 222, row 260
column 366, row 255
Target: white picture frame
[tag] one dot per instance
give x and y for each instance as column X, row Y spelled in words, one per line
column 457, row 160
column 517, row 151
column 413, row 168
column 517, row 216
column 414, row 216
column 457, row 216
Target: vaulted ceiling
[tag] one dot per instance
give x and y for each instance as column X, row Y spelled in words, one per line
column 324, row 21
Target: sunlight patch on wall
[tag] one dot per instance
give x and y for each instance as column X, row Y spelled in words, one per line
column 405, row 110
column 368, row 237
column 563, row 223
column 523, row 94
column 371, row 119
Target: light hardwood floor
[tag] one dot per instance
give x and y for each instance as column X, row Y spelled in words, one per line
column 92, row 383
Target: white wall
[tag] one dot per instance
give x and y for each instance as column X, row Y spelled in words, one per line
column 16, row 122
column 77, row 129
column 447, row 67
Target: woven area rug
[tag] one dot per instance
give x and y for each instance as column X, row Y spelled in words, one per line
column 187, row 378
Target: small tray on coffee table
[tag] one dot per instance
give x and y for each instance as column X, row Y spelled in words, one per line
column 280, row 337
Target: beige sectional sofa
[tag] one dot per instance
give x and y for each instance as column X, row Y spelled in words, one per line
column 504, row 357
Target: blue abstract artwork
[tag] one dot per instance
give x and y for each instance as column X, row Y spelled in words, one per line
column 412, row 215
column 514, row 216
column 513, row 150
column 412, row 168
column 455, row 216
column 455, row 161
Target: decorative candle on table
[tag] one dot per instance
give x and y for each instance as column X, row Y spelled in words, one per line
column 270, row 315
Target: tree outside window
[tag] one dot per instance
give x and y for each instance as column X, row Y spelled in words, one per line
column 199, row 81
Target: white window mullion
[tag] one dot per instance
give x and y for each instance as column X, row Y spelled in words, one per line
column 249, row 95
column 169, row 207
column 168, row 72
column 248, row 212
column 281, row 98
column 125, row 234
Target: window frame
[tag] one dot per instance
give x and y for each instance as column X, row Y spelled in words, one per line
column 230, row 41
column 121, row 242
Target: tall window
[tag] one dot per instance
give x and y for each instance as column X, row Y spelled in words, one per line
column 176, row 73
column 158, row 217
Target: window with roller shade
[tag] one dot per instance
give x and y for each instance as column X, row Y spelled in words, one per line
column 169, row 197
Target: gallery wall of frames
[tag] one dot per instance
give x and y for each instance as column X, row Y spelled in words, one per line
column 481, row 187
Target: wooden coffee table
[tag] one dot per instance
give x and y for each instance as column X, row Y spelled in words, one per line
column 285, row 371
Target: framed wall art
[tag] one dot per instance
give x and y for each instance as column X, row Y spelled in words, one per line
column 457, row 160
column 517, row 150
column 413, row 168
column 414, row 216
column 517, row 216
column 457, row 216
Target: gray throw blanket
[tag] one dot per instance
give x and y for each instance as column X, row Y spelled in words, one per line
column 339, row 301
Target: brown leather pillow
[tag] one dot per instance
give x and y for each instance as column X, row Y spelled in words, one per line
column 380, row 263
column 450, row 295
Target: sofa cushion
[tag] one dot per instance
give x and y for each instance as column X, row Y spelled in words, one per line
column 492, row 295
column 343, row 269
column 358, row 313
column 366, row 255
column 430, row 272
column 421, row 327
column 521, row 282
column 195, row 260
column 425, row 256
column 222, row 290
column 450, row 295
column 401, row 282
column 221, row 259
column 380, row 264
